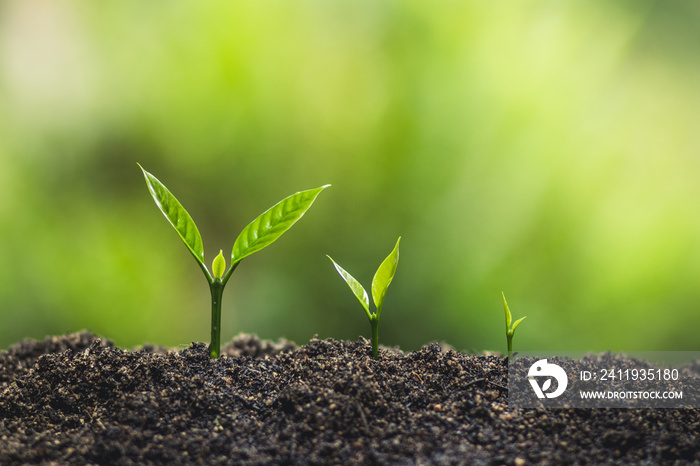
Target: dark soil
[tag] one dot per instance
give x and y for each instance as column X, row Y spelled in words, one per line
column 77, row 399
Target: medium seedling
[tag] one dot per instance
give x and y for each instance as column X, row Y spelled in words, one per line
column 510, row 329
column 380, row 283
column 260, row 233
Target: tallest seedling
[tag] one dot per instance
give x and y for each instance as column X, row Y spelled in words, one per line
column 260, row 233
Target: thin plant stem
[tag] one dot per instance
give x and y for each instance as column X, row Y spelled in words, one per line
column 510, row 347
column 216, row 286
column 217, row 291
column 375, row 337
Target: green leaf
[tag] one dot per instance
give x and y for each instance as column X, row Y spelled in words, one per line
column 176, row 215
column 515, row 325
column 385, row 274
column 218, row 267
column 357, row 289
column 509, row 318
column 272, row 223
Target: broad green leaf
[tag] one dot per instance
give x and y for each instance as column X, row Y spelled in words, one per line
column 176, row 215
column 357, row 289
column 272, row 223
column 218, row 267
column 385, row 274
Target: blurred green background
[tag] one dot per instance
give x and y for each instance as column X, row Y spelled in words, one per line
column 547, row 149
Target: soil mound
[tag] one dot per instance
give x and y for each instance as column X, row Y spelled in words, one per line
column 77, row 399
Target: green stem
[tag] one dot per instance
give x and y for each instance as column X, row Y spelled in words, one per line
column 375, row 337
column 510, row 347
column 217, row 291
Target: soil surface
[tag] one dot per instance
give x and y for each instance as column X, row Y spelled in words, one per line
column 77, row 399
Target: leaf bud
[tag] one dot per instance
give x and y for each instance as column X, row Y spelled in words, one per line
column 219, row 265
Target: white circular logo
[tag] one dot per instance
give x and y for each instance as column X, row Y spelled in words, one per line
column 544, row 369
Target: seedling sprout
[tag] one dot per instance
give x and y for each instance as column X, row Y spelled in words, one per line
column 510, row 329
column 260, row 233
column 381, row 281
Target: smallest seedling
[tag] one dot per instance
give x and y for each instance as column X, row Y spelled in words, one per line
column 380, row 283
column 510, row 329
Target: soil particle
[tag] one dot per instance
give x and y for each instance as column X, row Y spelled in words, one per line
column 77, row 399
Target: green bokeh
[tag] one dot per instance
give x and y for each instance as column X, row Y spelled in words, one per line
column 546, row 149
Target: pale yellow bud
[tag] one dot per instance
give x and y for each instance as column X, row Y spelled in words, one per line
column 219, row 265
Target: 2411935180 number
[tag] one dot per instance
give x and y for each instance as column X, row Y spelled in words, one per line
column 638, row 374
